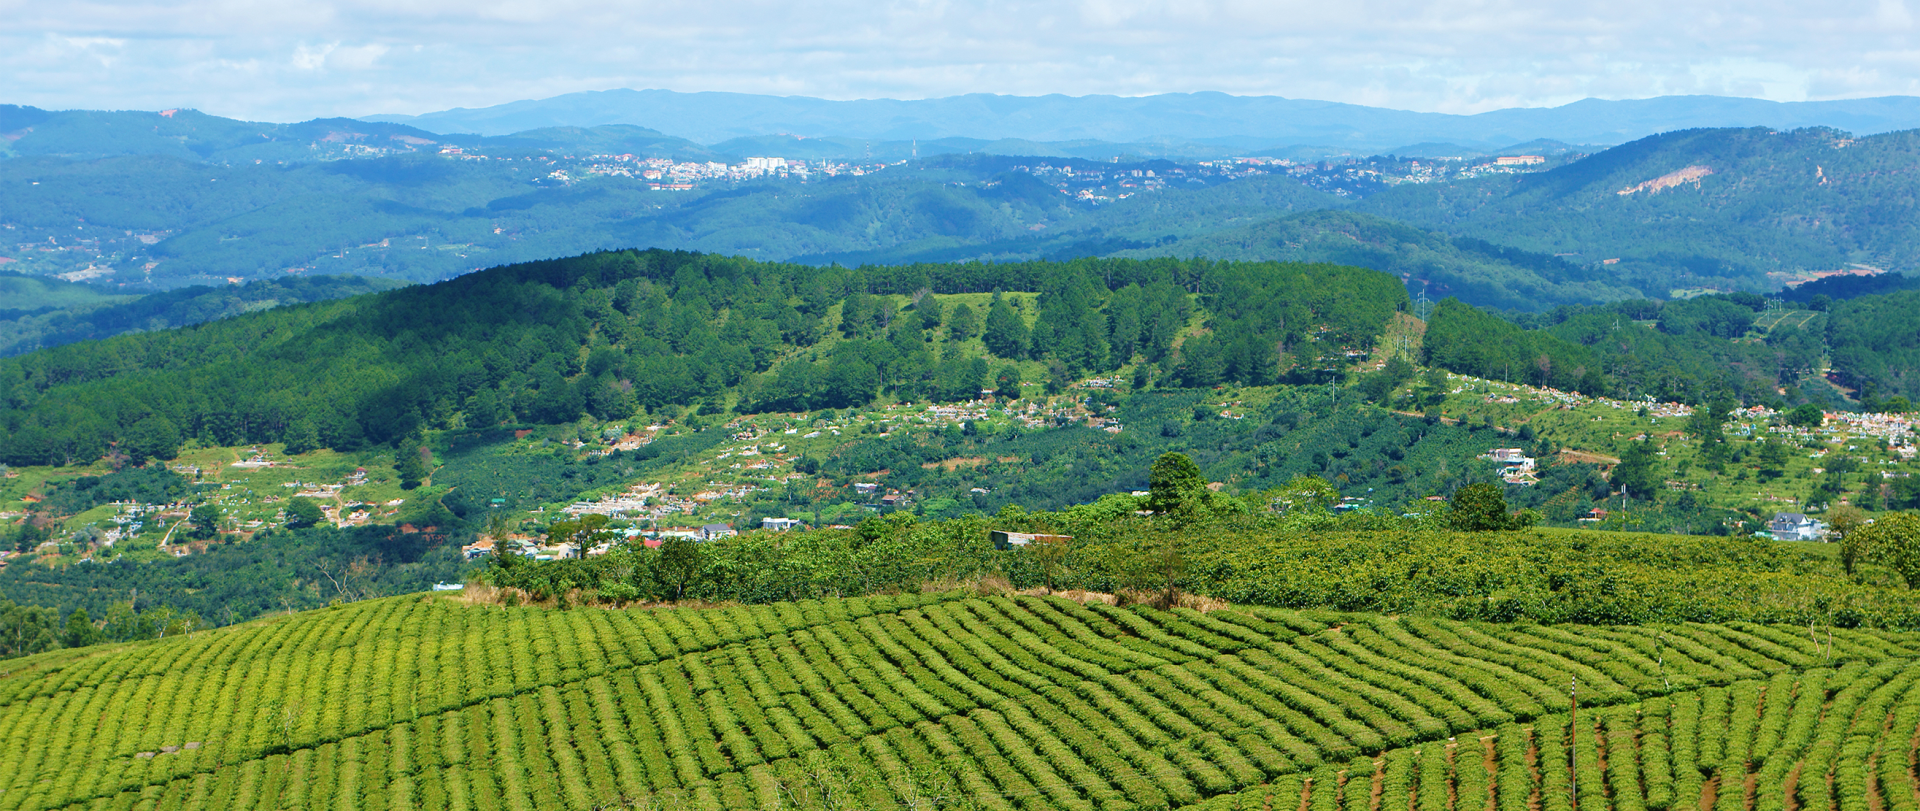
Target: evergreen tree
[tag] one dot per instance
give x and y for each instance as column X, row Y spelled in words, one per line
column 1059, row 377
column 1004, row 333
column 963, row 324
column 1807, row 415
column 1006, row 384
column 1201, row 363
column 1123, row 323
column 409, row 461
column 930, row 313
column 1637, row 474
column 302, row 437
column 154, row 437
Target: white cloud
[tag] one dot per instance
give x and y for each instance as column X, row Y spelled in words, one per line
column 311, row 58
column 288, row 61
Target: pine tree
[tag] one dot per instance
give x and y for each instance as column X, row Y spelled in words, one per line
column 1004, row 333
column 963, row 324
column 1636, row 473
column 302, row 437
column 409, row 461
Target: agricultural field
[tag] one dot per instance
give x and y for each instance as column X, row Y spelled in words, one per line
column 959, row 700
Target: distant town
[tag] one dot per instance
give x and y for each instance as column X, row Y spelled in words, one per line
column 88, row 252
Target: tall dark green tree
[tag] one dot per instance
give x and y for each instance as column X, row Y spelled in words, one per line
column 80, row 631
column 1638, row 472
column 679, row 565
column 1175, row 487
column 302, row 437
column 963, row 324
column 409, row 461
column 1004, row 333
column 302, row 513
column 205, row 520
column 154, row 437
column 1708, row 425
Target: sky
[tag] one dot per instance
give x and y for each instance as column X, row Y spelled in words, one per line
column 281, row 61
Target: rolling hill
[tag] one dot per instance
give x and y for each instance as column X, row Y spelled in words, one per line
column 1470, row 269
column 65, row 319
column 1716, row 209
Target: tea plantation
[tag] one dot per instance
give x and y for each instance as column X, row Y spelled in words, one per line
column 956, row 700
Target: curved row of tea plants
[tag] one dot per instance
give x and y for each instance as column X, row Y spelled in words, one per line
column 881, row 702
column 1824, row 739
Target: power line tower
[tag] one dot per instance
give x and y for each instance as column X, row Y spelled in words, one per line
column 1423, row 306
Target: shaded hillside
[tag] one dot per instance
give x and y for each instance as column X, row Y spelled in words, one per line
column 162, row 221
column 1010, row 216
column 1699, row 208
column 1470, row 269
column 27, row 331
column 23, row 295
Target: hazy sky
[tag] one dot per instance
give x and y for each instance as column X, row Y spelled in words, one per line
column 281, row 61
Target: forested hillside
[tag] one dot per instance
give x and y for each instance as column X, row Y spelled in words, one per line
column 1695, row 349
column 63, row 320
column 610, row 334
column 1473, row 270
column 1697, row 208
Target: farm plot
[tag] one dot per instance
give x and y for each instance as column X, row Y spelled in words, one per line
column 948, row 701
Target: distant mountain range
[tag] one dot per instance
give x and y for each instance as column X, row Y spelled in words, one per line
column 730, row 126
column 1218, row 119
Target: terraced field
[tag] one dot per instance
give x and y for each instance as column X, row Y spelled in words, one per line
column 951, row 701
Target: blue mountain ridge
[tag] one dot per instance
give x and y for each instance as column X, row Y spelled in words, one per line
column 1241, row 122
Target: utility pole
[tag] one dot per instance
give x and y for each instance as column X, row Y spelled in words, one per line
column 1573, row 736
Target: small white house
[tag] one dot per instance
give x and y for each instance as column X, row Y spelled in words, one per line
column 1795, row 527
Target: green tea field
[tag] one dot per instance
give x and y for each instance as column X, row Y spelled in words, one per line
column 956, row 700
